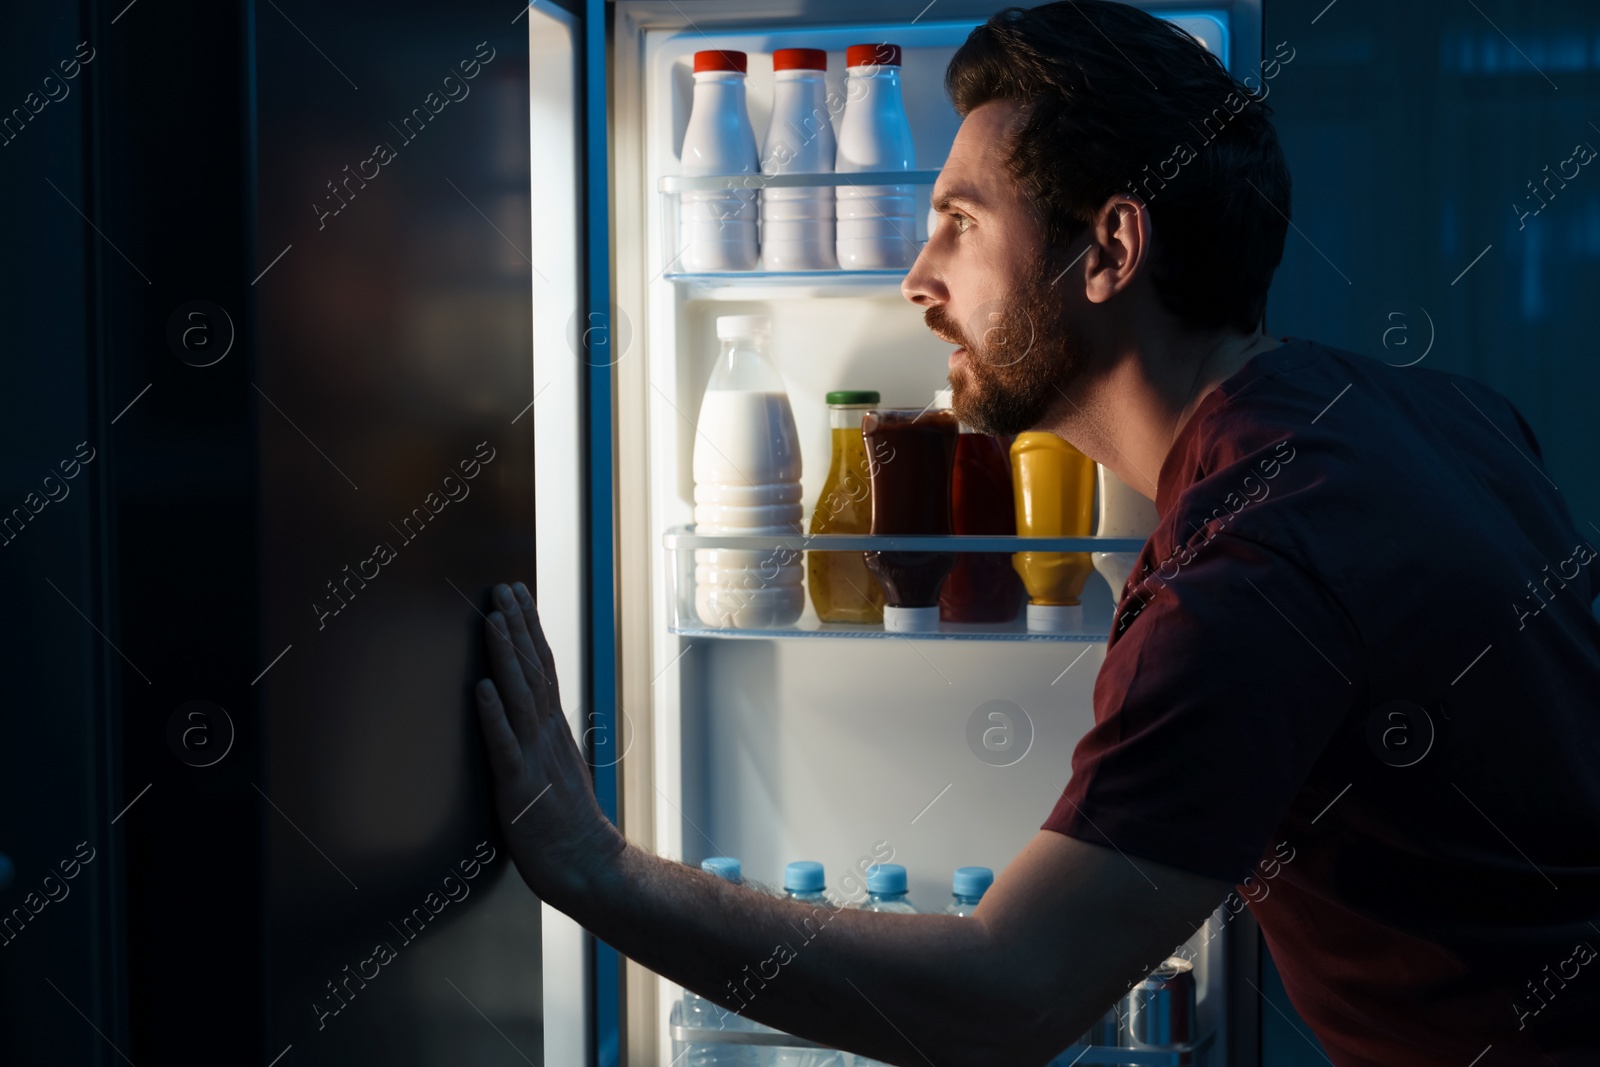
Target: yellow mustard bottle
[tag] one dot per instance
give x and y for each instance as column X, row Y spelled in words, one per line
column 842, row 589
column 1054, row 488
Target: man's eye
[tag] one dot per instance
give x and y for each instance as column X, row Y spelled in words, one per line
column 962, row 221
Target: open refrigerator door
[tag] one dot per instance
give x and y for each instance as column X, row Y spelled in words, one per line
column 847, row 744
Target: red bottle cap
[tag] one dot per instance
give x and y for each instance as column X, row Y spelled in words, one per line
column 720, row 59
column 799, row 59
column 868, row 55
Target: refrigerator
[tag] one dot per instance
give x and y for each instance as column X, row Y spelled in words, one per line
column 810, row 741
column 332, row 395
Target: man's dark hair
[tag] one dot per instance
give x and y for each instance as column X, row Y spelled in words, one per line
column 1112, row 93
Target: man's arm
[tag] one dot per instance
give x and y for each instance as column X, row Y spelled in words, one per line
column 1061, row 934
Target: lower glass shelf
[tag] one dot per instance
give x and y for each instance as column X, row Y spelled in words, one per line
column 712, row 1044
column 717, row 580
column 949, row 631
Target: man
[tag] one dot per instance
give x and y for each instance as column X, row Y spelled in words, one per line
column 1357, row 668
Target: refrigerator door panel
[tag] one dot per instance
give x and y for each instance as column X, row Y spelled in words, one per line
column 555, row 411
column 397, row 483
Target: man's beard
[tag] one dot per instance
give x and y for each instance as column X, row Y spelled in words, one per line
column 1021, row 355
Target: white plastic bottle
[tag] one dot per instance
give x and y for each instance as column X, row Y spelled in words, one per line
column 718, row 226
column 747, row 481
column 967, row 887
column 1124, row 512
column 877, row 226
column 797, row 231
column 886, row 889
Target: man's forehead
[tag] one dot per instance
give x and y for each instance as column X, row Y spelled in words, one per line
column 977, row 157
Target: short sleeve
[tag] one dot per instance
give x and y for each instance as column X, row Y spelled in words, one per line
column 1214, row 703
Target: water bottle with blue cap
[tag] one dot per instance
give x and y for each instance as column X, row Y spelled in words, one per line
column 967, row 886
column 803, row 881
column 704, row 1014
column 886, row 889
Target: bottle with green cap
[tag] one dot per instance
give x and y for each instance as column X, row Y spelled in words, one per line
column 842, row 589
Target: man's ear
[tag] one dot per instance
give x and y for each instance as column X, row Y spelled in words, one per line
column 1122, row 244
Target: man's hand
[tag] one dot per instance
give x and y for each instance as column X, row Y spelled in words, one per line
column 557, row 834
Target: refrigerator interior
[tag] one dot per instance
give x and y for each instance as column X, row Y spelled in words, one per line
column 809, row 747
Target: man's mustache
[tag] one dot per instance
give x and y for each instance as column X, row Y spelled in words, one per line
column 938, row 321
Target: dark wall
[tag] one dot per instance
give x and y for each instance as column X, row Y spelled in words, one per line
column 1412, row 130
column 53, row 793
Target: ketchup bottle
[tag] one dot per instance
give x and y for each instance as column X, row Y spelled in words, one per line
column 983, row 587
column 912, row 452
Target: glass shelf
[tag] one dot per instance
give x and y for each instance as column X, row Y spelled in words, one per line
column 787, row 284
column 683, row 542
column 681, row 183
column 753, row 1035
column 780, row 285
column 685, row 537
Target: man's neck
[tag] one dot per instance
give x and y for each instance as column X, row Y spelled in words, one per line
column 1127, row 416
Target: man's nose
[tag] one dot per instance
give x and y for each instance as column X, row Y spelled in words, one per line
column 923, row 285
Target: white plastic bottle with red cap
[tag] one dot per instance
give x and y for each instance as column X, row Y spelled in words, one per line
column 797, row 224
column 877, row 227
column 718, row 226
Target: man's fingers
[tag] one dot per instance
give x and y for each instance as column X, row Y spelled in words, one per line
column 538, row 678
column 530, row 612
column 505, row 753
column 506, row 666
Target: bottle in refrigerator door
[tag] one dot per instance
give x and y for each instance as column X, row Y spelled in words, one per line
column 803, row 881
column 727, row 868
column 842, row 589
column 877, row 223
column 797, row 225
column 967, row 887
column 699, row 1013
column 718, row 226
column 886, row 889
column 913, row 453
column 747, row 481
column 807, row 874
column 1054, row 486
column 1124, row 512
column 982, row 587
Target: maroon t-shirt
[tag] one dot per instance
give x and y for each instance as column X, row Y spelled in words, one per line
column 1357, row 673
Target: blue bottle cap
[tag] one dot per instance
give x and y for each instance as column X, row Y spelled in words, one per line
column 724, row 867
column 971, row 881
column 804, row 876
column 886, row 878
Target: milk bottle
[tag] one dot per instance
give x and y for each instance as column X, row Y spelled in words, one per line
column 747, row 481
column 718, row 226
column 797, row 224
column 877, row 223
